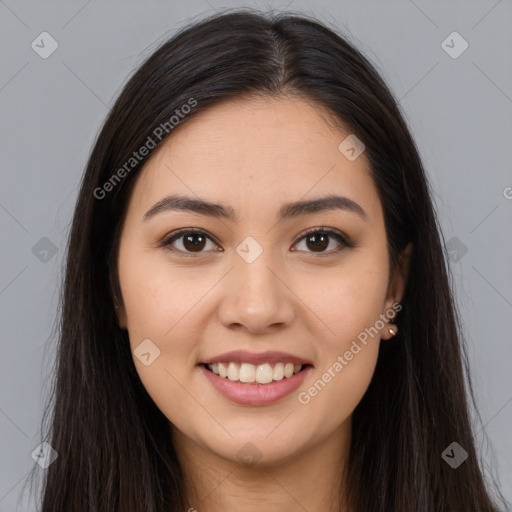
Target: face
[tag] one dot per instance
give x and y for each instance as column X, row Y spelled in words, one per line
column 253, row 279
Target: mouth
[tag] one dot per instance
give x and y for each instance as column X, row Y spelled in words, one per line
column 255, row 379
column 248, row 373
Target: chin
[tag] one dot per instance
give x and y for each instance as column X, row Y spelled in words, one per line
column 256, row 450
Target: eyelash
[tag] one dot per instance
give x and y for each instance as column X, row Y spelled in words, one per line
column 338, row 236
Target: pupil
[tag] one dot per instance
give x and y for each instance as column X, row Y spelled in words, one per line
column 194, row 245
column 321, row 244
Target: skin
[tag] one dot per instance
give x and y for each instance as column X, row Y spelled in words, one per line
column 254, row 154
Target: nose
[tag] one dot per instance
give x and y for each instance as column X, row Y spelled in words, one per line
column 256, row 298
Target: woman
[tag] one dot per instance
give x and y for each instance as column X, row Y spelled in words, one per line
column 256, row 311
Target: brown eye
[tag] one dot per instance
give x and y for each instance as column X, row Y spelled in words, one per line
column 192, row 242
column 317, row 240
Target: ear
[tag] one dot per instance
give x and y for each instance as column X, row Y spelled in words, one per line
column 121, row 316
column 118, row 304
column 397, row 284
column 119, row 311
column 398, row 281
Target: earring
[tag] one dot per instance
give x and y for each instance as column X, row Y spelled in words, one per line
column 392, row 331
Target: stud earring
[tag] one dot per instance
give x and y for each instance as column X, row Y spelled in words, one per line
column 392, row 331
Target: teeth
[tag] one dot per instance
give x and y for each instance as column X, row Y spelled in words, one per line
column 234, row 372
column 247, row 372
column 264, row 374
column 223, row 371
column 278, row 372
column 250, row 373
column 288, row 369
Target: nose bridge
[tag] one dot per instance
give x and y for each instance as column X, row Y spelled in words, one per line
column 255, row 297
column 256, row 281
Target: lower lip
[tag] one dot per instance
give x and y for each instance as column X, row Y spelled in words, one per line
column 255, row 394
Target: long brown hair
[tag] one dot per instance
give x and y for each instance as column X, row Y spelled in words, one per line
column 113, row 445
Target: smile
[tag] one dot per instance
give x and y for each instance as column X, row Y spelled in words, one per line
column 250, row 373
column 254, row 393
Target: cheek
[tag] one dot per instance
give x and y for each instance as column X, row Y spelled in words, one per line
column 164, row 304
column 157, row 296
column 336, row 389
column 345, row 301
column 347, row 305
column 160, row 308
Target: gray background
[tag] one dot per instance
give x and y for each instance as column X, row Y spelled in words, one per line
column 459, row 110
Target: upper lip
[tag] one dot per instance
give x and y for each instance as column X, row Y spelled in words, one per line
column 243, row 356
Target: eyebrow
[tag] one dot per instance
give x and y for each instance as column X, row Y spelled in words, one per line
column 287, row 211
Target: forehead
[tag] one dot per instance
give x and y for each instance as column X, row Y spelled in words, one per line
column 257, row 153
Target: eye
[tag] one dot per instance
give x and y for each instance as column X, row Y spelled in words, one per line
column 192, row 241
column 318, row 240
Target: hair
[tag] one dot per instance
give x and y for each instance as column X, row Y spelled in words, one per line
column 113, row 443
